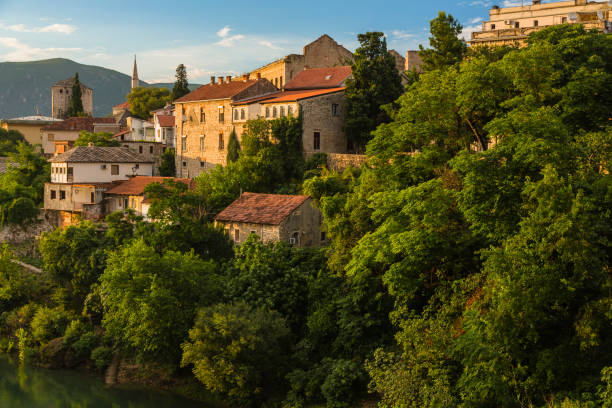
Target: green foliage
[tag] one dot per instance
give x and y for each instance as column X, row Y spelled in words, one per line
column 144, row 100
column 17, row 286
column 181, row 87
column 233, row 147
column 150, row 299
column 375, row 82
column 9, row 140
column 103, row 139
column 49, row 323
column 76, row 101
column 447, row 48
column 167, row 166
column 238, row 351
column 101, row 357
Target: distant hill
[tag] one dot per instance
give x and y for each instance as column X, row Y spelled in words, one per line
column 26, row 85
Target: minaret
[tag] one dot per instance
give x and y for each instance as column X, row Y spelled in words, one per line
column 135, row 81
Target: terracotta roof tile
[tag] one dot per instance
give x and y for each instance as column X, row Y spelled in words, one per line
column 95, row 154
column 136, row 185
column 292, row 96
column 166, row 120
column 269, row 209
column 319, row 78
column 78, row 124
column 225, row 90
column 124, row 105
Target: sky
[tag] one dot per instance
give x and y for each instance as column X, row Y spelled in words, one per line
column 211, row 37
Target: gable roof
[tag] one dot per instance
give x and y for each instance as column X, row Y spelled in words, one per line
column 319, row 78
column 96, row 154
column 136, row 185
column 255, row 208
column 225, row 90
column 165, row 120
column 79, row 124
column 293, row 96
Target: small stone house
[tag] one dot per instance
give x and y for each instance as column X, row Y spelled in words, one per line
column 274, row 218
column 59, row 137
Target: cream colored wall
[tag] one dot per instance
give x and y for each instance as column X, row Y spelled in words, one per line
column 31, row 133
column 95, row 173
column 58, row 135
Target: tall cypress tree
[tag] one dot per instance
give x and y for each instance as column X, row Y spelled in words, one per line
column 76, row 101
column 233, row 147
column 446, row 47
column 181, row 87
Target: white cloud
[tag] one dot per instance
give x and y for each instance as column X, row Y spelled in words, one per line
column 268, row 44
column 226, row 39
column 24, row 52
column 476, row 20
column 467, row 31
column 402, row 34
column 224, row 32
column 52, row 28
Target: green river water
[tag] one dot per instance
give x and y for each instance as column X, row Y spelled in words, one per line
column 31, row 387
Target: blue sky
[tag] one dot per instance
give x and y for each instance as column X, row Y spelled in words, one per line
column 210, row 37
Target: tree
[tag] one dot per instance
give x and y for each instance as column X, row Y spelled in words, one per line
column 167, row 166
column 181, row 87
column 447, row 48
column 9, row 139
column 238, row 351
column 150, row 299
column 103, row 139
column 233, row 147
column 76, row 101
column 144, row 100
column 375, row 82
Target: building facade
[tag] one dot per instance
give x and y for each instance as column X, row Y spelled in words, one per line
column 59, row 137
column 61, row 93
column 512, row 25
column 29, row 126
column 273, row 218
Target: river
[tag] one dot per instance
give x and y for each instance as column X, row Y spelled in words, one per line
column 32, row 387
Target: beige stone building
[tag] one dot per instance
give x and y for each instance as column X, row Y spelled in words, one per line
column 512, row 25
column 59, row 137
column 61, row 93
column 413, row 61
column 273, row 218
column 321, row 53
column 29, row 126
column 204, row 122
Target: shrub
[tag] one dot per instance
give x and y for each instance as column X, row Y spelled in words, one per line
column 343, row 384
column 101, row 357
column 49, row 323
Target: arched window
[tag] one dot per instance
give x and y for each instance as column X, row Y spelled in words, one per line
column 267, row 111
column 274, row 112
column 235, row 114
column 242, row 113
column 282, row 111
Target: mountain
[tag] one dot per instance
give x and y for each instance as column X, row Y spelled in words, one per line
column 27, row 85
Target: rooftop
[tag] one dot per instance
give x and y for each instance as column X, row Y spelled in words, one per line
column 255, row 208
column 79, row 124
column 124, row 105
column 293, row 96
column 95, row 154
column 29, row 120
column 136, row 185
column 319, row 78
column 225, row 90
column 69, row 82
column 165, row 120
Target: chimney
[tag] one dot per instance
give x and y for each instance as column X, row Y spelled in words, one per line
column 228, row 79
column 90, row 144
column 220, row 80
column 212, row 80
column 259, row 75
column 245, row 77
column 536, row 2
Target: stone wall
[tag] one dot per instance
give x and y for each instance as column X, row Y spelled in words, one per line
column 325, row 52
column 339, row 162
column 25, row 234
column 305, row 222
column 281, row 71
column 317, row 116
column 60, row 101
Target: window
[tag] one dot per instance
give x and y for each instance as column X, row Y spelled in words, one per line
column 295, row 238
column 323, row 237
column 202, row 142
column 535, row 23
column 202, row 115
column 119, row 202
column 237, row 235
column 317, row 141
column 517, row 24
column 50, row 137
column 281, row 82
column 563, row 19
column 184, row 143
column 184, row 164
column 221, row 115
column 140, row 149
column 276, row 82
column 93, row 197
column 290, row 110
column 62, row 195
column 267, row 111
column 274, row 112
column 221, row 142
column 202, row 164
column 242, row 114
column 137, row 166
column 282, row 111
column 492, row 26
column 235, row 114
column 151, row 149
column 334, row 109
column 53, row 194
column 114, row 169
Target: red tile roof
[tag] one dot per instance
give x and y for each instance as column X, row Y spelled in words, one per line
column 292, row 96
column 124, row 105
column 78, row 124
column 166, row 120
column 123, row 132
column 269, row 209
column 136, row 185
column 319, row 78
column 225, row 90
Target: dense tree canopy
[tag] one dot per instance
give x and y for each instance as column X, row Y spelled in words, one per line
column 447, row 48
column 9, row 140
column 103, row 139
column 143, row 100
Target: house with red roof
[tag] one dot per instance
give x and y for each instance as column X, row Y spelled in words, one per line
column 273, row 218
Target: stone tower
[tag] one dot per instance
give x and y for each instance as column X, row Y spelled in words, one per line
column 135, row 81
column 61, row 96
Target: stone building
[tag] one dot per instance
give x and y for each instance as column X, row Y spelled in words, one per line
column 274, row 218
column 61, row 93
column 29, row 126
column 80, row 176
column 512, row 25
column 204, row 122
column 413, row 61
column 321, row 53
column 60, row 136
